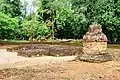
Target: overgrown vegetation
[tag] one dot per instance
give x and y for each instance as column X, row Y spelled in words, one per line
column 70, row 19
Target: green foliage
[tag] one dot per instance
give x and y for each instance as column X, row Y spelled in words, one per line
column 118, row 6
column 34, row 29
column 8, row 27
column 73, row 17
column 68, row 24
column 65, row 18
column 42, row 31
column 11, row 7
column 74, row 20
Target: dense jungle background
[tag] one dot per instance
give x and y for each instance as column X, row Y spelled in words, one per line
column 58, row 19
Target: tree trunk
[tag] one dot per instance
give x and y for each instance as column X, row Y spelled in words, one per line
column 53, row 31
column 53, row 24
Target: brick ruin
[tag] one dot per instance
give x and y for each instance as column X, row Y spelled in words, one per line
column 94, row 41
column 95, row 45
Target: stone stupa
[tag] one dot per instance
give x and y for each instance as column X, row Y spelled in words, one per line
column 95, row 45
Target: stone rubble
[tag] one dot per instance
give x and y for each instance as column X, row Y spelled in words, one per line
column 95, row 45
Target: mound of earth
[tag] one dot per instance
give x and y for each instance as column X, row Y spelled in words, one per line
column 36, row 50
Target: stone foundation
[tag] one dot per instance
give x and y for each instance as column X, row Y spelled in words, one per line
column 96, row 58
column 90, row 47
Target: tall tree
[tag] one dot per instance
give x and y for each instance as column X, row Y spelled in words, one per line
column 12, row 7
column 103, row 12
column 48, row 11
column 8, row 27
column 47, row 14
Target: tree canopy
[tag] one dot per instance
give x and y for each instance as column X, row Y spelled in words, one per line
column 59, row 18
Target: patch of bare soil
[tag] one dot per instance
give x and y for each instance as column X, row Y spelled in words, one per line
column 64, row 71
column 56, row 69
column 7, row 46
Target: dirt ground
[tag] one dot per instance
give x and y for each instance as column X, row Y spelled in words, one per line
column 13, row 67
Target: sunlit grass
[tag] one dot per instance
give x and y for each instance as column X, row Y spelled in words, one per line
column 10, row 41
column 116, row 46
column 73, row 42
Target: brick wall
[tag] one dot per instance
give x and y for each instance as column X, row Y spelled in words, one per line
column 90, row 47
